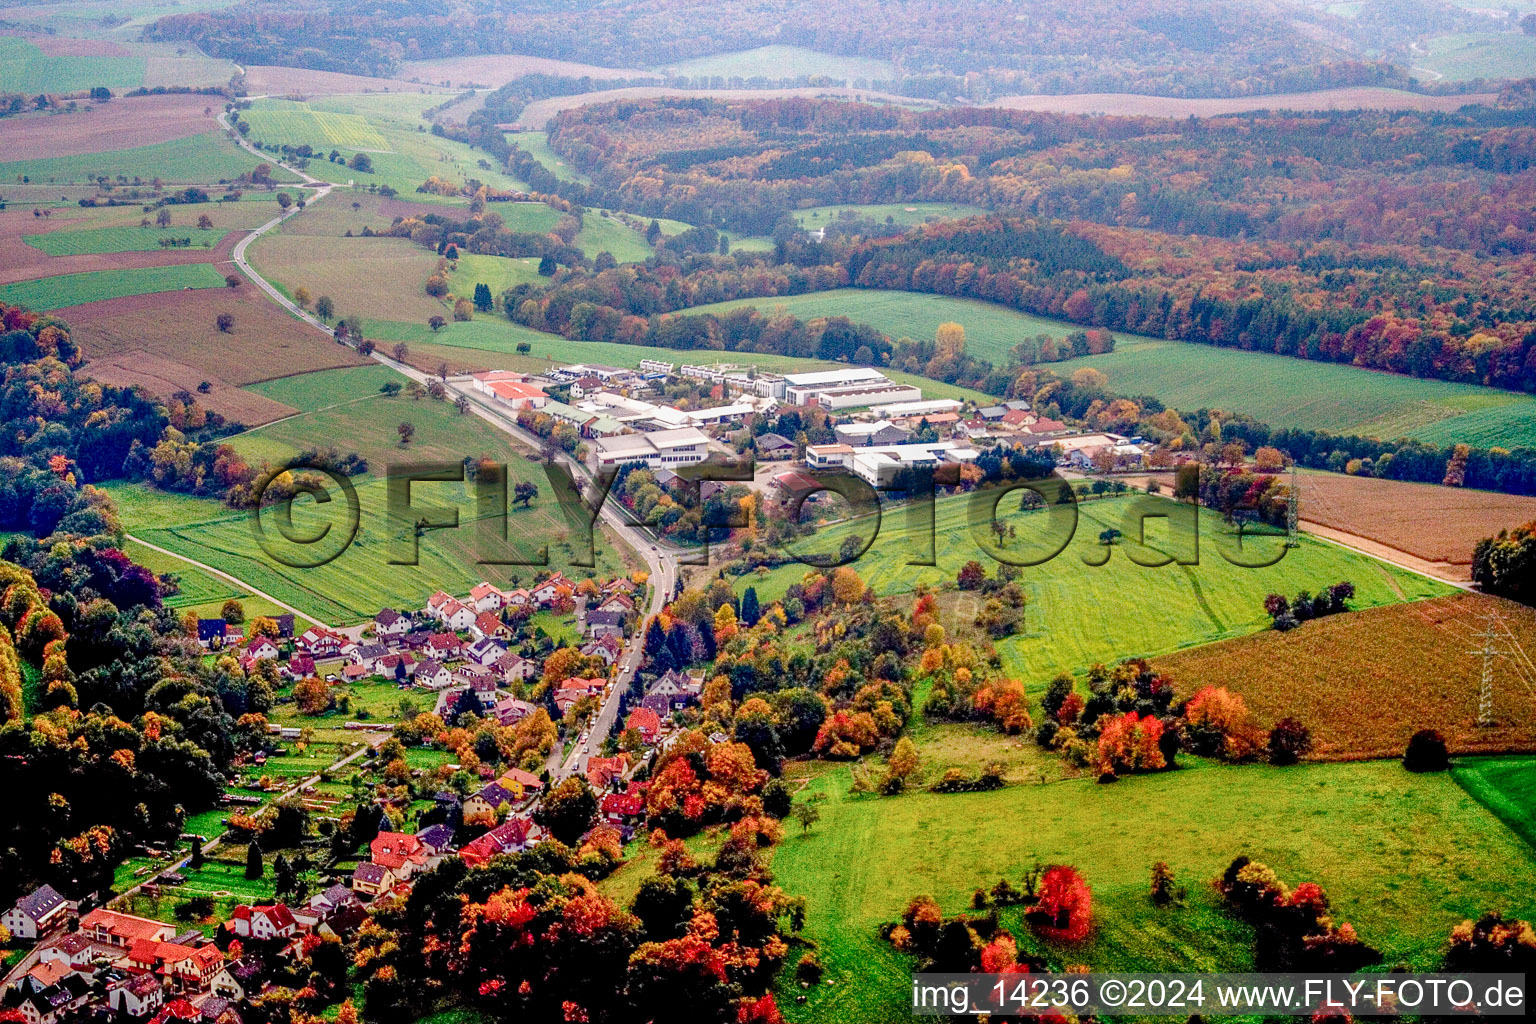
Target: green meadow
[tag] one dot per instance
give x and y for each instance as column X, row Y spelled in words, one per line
column 1480, row 55
column 1279, row 390
column 1081, row 613
column 120, row 239
column 1403, row 857
column 197, row 159
column 25, row 68
column 74, row 289
column 1286, row 392
column 343, row 408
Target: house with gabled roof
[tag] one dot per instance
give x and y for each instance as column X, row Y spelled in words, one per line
column 601, row 771
column 485, row 651
column 646, row 722
column 604, row 623
column 119, row 931
column 510, row 710
column 211, row 633
column 135, row 995
column 606, row 647
column 444, row 646
column 546, row 592
column 399, row 667
column 36, row 912
column 391, row 623
column 266, row 921
column 487, row 598
column 514, row 835
column 432, row 675
column 401, row 853
column 488, row 627
column 622, row 808
column 319, row 642
column 491, row 797
column 300, row 666
column 515, row 667
column 372, row 879
column 262, row 648
column 671, row 692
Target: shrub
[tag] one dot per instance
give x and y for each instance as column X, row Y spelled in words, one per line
column 1426, row 752
column 809, row 970
column 1289, row 741
column 1492, row 945
column 1064, row 911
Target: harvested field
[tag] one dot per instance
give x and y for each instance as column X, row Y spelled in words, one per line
column 59, row 46
column 500, row 68
column 179, row 326
column 1132, row 105
column 164, row 377
column 31, row 264
column 266, row 79
column 383, row 278
column 121, row 124
column 1364, row 682
column 1438, row 524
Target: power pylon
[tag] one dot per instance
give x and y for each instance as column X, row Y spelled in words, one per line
column 1293, row 511
column 1489, row 646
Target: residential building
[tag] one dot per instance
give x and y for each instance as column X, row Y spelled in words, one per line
column 268, row 921
column 391, row 623
column 773, row 446
column 36, row 912
column 119, row 931
column 372, row 879
column 514, row 835
column 646, row 722
column 400, row 852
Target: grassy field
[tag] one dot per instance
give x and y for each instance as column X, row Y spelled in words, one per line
column 383, row 126
column 1318, row 396
column 1367, row 681
column 1080, row 614
column 201, row 591
column 25, row 68
column 200, row 159
column 1293, row 392
column 1480, row 55
column 776, row 62
column 273, row 120
column 121, row 239
column 498, row 273
column 899, row 214
column 990, row 330
column 361, row 580
column 74, row 289
column 1403, row 858
column 604, row 234
column 1504, row 785
column 311, row 391
column 536, row 145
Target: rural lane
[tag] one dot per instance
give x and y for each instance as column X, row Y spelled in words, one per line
column 285, row 606
column 661, row 560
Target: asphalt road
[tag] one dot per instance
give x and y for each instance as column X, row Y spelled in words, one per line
column 661, row 560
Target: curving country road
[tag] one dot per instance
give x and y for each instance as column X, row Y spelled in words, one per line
column 661, row 559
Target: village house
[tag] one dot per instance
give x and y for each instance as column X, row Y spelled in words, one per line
column 391, row 623
column 119, row 931
column 771, row 446
column 262, row 649
column 71, row 948
column 673, row 691
column 646, row 722
column 367, row 655
column 300, row 666
column 319, row 642
column 36, row 912
column 485, row 651
column 510, row 710
column 607, row 648
column 400, row 852
column 432, row 675
column 521, row 782
column 48, row 1004
column 486, row 598
column 399, row 667
column 487, row 626
column 602, row 771
column 603, row 623
column 551, row 589
column 135, row 995
column 269, row 921
column 491, row 798
column 372, row 879
column 444, row 646
column 189, row 969
column 512, row 836
column 622, row 808
column 436, row 839
column 514, row 667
